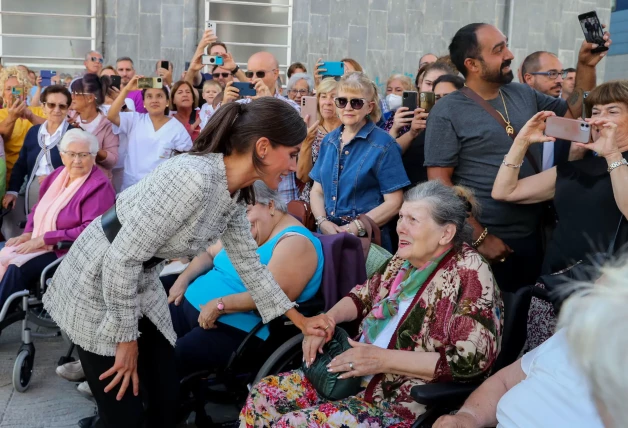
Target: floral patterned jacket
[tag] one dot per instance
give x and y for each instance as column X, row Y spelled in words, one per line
column 457, row 312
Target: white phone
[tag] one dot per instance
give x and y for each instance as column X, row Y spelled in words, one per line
column 211, row 25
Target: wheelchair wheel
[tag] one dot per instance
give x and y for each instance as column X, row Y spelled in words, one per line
column 22, row 371
column 39, row 316
column 287, row 357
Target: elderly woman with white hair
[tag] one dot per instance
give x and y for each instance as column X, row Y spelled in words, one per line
column 216, row 312
column 69, row 199
column 300, row 85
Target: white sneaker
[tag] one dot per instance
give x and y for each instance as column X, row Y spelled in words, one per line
column 71, row 371
column 83, row 388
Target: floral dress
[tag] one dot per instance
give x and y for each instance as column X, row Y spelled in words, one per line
column 457, row 312
column 316, row 145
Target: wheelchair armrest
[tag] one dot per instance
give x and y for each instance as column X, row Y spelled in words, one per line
column 443, row 393
column 63, row 245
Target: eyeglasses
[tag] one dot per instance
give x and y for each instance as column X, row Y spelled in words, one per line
column 356, row 103
column 299, row 91
column 80, row 156
column 53, row 106
column 258, row 74
column 552, row 74
column 223, row 75
column 96, row 59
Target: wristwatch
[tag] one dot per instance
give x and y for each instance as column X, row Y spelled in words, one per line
column 221, row 306
column 361, row 229
column 235, row 70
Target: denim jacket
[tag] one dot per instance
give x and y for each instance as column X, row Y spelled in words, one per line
column 356, row 178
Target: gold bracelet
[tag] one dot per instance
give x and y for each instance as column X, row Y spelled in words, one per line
column 481, row 239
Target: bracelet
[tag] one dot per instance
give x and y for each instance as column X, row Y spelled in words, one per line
column 320, row 219
column 617, row 164
column 481, row 239
column 511, row 165
column 235, row 70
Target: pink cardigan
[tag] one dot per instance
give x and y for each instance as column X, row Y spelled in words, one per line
column 109, row 142
column 92, row 199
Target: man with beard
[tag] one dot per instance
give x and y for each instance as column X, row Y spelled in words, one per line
column 544, row 72
column 465, row 145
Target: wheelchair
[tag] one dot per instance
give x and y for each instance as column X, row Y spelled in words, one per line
column 282, row 350
column 25, row 306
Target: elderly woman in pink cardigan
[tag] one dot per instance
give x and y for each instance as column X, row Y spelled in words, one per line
column 69, row 199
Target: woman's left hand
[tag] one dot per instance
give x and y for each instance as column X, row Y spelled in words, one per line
column 362, row 360
column 31, row 246
column 606, row 144
column 321, row 325
column 534, row 129
column 209, row 315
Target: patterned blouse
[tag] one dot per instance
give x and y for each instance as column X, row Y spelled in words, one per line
column 389, row 124
column 457, row 312
column 316, row 145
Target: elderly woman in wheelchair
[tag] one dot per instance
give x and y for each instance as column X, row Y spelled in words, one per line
column 212, row 312
column 69, row 199
column 433, row 315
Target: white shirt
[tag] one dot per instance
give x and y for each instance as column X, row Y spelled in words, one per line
column 548, row 155
column 554, row 393
column 91, row 126
column 207, row 110
column 147, row 148
column 42, row 167
column 130, row 105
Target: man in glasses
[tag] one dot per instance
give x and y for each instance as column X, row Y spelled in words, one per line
column 221, row 75
column 544, row 72
column 93, row 62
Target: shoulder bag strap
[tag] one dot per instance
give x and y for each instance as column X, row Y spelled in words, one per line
column 612, row 248
column 472, row 95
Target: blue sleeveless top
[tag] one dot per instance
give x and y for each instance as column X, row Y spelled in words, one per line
column 223, row 280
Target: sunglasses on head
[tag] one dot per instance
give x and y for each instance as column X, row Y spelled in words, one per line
column 258, row 74
column 96, row 59
column 356, row 103
column 223, row 75
column 53, row 106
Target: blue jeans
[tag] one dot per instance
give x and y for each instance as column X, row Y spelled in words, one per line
column 384, row 230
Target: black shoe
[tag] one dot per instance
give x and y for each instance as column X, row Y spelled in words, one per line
column 90, row 422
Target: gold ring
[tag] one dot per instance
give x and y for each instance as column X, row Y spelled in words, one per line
column 325, row 329
column 502, row 260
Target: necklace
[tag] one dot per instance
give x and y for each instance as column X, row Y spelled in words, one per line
column 509, row 129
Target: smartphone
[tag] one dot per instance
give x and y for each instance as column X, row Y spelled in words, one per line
column 150, row 83
column 18, row 93
column 308, row 108
column 165, row 65
column 427, row 100
column 212, row 60
column 211, row 25
column 568, row 129
column 187, row 65
column 247, row 89
column 333, row 69
column 593, row 31
column 46, row 75
column 116, row 81
column 409, row 99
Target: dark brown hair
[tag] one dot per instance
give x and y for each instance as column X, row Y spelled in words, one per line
column 235, row 128
column 164, row 89
column 615, row 91
column 356, row 65
column 90, row 83
column 174, row 90
column 293, row 67
column 55, row 89
column 217, row 43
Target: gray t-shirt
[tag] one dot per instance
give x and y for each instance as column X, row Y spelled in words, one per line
column 462, row 135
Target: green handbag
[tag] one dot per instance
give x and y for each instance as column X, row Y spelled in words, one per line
column 327, row 384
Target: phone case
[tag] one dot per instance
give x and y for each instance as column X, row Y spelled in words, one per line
column 211, row 25
column 246, row 89
column 427, row 100
column 333, row 69
column 593, row 31
column 409, row 99
column 308, row 107
column 568, row 129
column 212, row 60
column 116, row 81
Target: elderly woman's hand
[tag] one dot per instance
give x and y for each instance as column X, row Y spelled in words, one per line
column 18, row 239
column 31, row 246
column 311, row 345
column 209, row 314
column 534, row 130
column 9, row 200
column 606, row 143
column 459, row 420
column 329, row 228
column 362, row 360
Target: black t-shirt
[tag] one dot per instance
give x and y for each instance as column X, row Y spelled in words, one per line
column 414, row 160
column 588, row 215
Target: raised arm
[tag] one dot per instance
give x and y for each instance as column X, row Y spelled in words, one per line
column 193, row 74
column 537, row 188
column 114, row 111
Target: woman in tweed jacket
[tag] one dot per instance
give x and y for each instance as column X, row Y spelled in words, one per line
column 104, row 298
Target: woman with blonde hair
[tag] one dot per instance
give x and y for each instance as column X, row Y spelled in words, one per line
column 327, row 121
column 358, row 169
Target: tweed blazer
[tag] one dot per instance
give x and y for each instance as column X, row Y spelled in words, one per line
column 100, row 290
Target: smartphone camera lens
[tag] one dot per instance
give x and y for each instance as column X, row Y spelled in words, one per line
column 212, row 60
column 405, row 95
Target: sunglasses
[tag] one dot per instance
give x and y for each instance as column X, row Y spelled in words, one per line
column 258, row 74
column 223, row 75
column 53, row 106
column 356, row 103
column 96, row 59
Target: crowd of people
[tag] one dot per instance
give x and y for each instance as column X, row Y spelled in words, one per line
column 471, row 197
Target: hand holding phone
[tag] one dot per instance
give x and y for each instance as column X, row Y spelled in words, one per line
column 211, row 25
column 212, row 60
column 246, row 89
column 593, row 30
column 409, row 100
column 46, row 77
column 332, row 69
column 568, row 129
column 309, row 110
column 116, row 81
column 427, row 100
